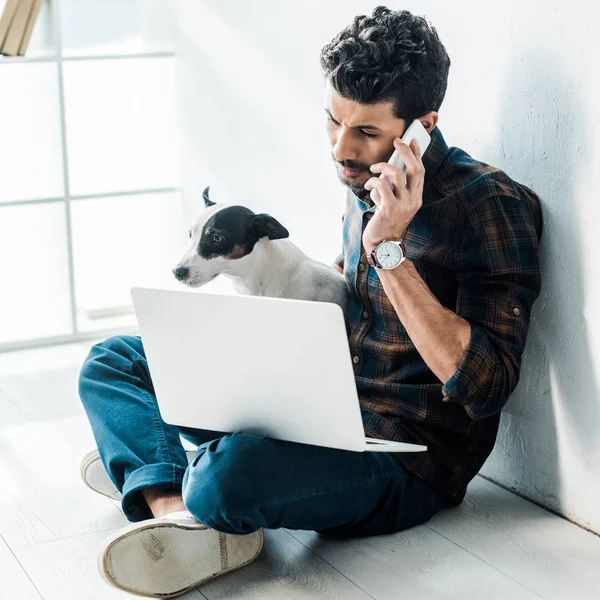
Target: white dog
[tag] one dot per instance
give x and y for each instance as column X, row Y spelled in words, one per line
column 249, row 249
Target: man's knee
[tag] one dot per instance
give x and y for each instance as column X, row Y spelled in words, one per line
column 111, row 347
column 116, row 352
column 122, row 345
column 222, row 485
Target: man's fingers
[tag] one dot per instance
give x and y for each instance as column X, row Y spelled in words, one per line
column 412, row 159
column 382, row 185
column 394, row 174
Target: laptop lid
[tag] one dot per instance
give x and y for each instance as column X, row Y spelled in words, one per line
column 270, row 366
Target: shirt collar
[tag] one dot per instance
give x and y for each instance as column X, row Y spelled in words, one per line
column 432, row 160
column 435, row 154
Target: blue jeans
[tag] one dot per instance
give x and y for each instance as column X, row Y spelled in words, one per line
column 238, row 483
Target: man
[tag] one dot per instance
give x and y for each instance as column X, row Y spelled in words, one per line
column 436, row 340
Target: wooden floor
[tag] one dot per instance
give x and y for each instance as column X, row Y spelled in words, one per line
column 494, row 546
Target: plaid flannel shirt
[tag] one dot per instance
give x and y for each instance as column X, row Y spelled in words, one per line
column 475, row 244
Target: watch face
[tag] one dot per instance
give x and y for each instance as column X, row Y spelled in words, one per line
column 389, row 255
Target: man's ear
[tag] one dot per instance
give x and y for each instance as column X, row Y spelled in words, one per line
column 207, row 201
column 264, row 225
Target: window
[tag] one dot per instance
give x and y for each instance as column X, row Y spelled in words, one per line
column 89, row 171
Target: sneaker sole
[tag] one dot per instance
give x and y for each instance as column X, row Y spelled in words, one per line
column 164, row 559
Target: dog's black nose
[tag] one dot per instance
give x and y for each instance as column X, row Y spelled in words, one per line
column 181, row 273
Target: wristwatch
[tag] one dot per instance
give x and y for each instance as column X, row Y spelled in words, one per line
column 387, row 255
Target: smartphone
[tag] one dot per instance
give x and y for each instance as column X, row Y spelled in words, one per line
column 415, row 130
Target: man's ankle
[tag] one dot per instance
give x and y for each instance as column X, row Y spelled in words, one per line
column 162, row 502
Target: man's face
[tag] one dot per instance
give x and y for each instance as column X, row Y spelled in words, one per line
column 360, row 135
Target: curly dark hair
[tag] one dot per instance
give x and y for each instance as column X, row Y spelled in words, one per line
column 391, row 55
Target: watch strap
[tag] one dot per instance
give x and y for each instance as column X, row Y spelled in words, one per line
column 372, row 256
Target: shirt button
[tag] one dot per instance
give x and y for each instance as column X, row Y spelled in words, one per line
column 516, row 311
column 365, row 315
column 355, row 359
column 361, row 267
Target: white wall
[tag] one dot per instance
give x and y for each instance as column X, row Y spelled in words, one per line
column 523, row 95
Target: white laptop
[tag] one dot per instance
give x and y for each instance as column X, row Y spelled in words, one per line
column 269, row 366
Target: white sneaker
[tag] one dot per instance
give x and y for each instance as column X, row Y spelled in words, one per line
column 94, row 474
column 166, row 557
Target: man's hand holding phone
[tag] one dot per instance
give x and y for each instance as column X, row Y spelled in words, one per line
column 398, row 204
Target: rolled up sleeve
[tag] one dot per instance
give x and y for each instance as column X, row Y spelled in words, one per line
column 498, row 281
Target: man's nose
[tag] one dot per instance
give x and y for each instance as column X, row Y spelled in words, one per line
column 344, row 148
column 181, row 273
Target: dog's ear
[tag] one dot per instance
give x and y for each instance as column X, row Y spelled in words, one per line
column 264, row 225
column 207, row 201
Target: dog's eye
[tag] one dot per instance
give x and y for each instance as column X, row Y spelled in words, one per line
column 217, row 239
column 190, row 233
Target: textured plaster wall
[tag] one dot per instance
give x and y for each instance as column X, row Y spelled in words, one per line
column 524, row 95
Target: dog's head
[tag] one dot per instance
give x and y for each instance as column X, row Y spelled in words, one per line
column 220, row 235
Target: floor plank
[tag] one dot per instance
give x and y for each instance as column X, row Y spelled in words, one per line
column 10, row 413
column 417, row 563
column 285, row 570
column 45, row 359
column 44, row 434
column 66, row 570
column 542, row 551
column 45, row 395
column 16, row 585
column 43, row 497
